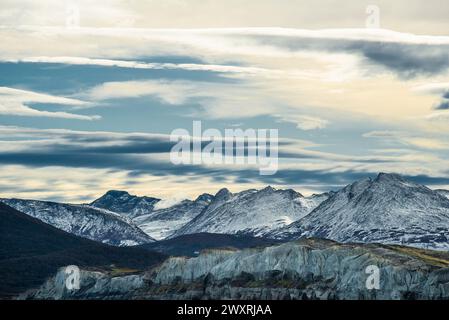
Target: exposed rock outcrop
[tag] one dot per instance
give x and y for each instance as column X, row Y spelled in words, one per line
column 306, row 269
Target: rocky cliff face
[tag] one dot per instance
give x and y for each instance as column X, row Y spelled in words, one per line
column 306, row 269
column 93, row 285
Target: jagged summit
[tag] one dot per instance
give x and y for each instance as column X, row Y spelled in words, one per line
column 389, row 177
column 123, row 194
column 125, row 204
column 117, row 193
column 222, row 193
column 205, row 197
column 268, row 189
column 252, row 212
column 392, row 178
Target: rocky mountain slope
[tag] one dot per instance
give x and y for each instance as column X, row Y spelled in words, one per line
column 84, row 221
column 162, row 223
column 387, row 209
column 125, row 204
column 307, row 269
column 443, row 192
column 31, row 251
column 251, row 212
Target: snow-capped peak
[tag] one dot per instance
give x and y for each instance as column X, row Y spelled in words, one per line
column 387, row 209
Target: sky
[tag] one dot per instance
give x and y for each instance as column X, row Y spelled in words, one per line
column 91, row 90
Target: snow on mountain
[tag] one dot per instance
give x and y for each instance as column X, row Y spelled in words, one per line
column 388, row 209
column 84, row 221
column 125, row 204
column 162, row 223
column 269, row 208
column 443, row 192
column 313, row 201
column 251, row 212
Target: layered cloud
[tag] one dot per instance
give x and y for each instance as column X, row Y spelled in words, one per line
column 216, row 100
column 348, row 102
column 142, row 157
column 16, row 102
column 84, row 61
column 407, row 55
column 410, row 139
column 273, row 68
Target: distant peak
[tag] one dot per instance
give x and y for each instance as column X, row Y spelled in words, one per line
column 389, row 177
column 268, row 189
column 223, row 193
column 206, row 197
column 117, row 193
column 294, row 193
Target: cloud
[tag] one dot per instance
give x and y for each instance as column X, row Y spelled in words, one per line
column 171, row 92
column 305, row 123
column 337, row 82
column 409, row 139
column 443, row 105
column 84, row 61
column 120, row 160
column 404, row 54
column 441, row 89
column 215, row 13
column 216, row 100
column 438, row 116
column 434, row 88
column 14, row 102
column 140, row 152
column 278, row 70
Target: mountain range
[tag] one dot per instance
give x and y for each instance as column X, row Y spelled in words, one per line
column 121, row 240
column 386, row 209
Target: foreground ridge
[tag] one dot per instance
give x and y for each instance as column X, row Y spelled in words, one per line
column 306, row 269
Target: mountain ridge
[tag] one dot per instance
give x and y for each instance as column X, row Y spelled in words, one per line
column 300, row 270
column 251, row 212
column 84, row 221
column 386, row 209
